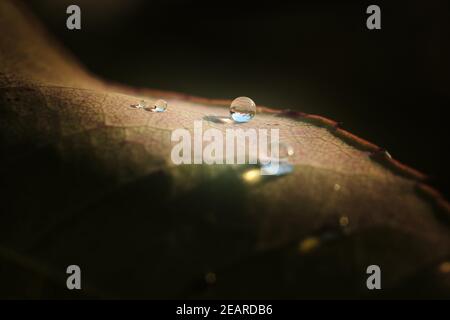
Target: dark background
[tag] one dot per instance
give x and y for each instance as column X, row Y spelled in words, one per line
column 389, row 86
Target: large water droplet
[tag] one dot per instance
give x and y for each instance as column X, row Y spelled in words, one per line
column 159, row 106
column 242, row 109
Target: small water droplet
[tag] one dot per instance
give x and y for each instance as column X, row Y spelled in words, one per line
column 276, row 168
column 141, row 105
column 242, row 109
column 159, row 106
column 284, row 150
column 210, row 278
column 277, row 165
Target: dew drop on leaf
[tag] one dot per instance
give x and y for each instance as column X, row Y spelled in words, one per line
column 141, row 105
column 242, row 109
column 277, row 165
column 159, row 106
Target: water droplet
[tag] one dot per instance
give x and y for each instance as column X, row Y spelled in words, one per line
column 159, row 106
column 141, row 105
column 276, row 168
column 210, row 278
column 285, row 151
column 277, row 165
column 242, row 109
column 308, row 244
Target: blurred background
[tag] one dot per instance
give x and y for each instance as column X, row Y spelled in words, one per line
column 389, row 86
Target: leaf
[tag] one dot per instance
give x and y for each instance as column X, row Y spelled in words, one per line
column 88, row 180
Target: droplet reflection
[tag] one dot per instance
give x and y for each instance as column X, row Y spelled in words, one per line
column 280, row 165
column 276, row 168
column 159, row 106
column 252, row 176
column 242, row 109
column 141, row 105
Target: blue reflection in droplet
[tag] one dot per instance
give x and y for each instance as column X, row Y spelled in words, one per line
column 242, row 109
column 159, row 106
column 276, row 168
column 241, row 117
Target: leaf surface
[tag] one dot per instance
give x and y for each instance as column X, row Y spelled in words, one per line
column 88, row 180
